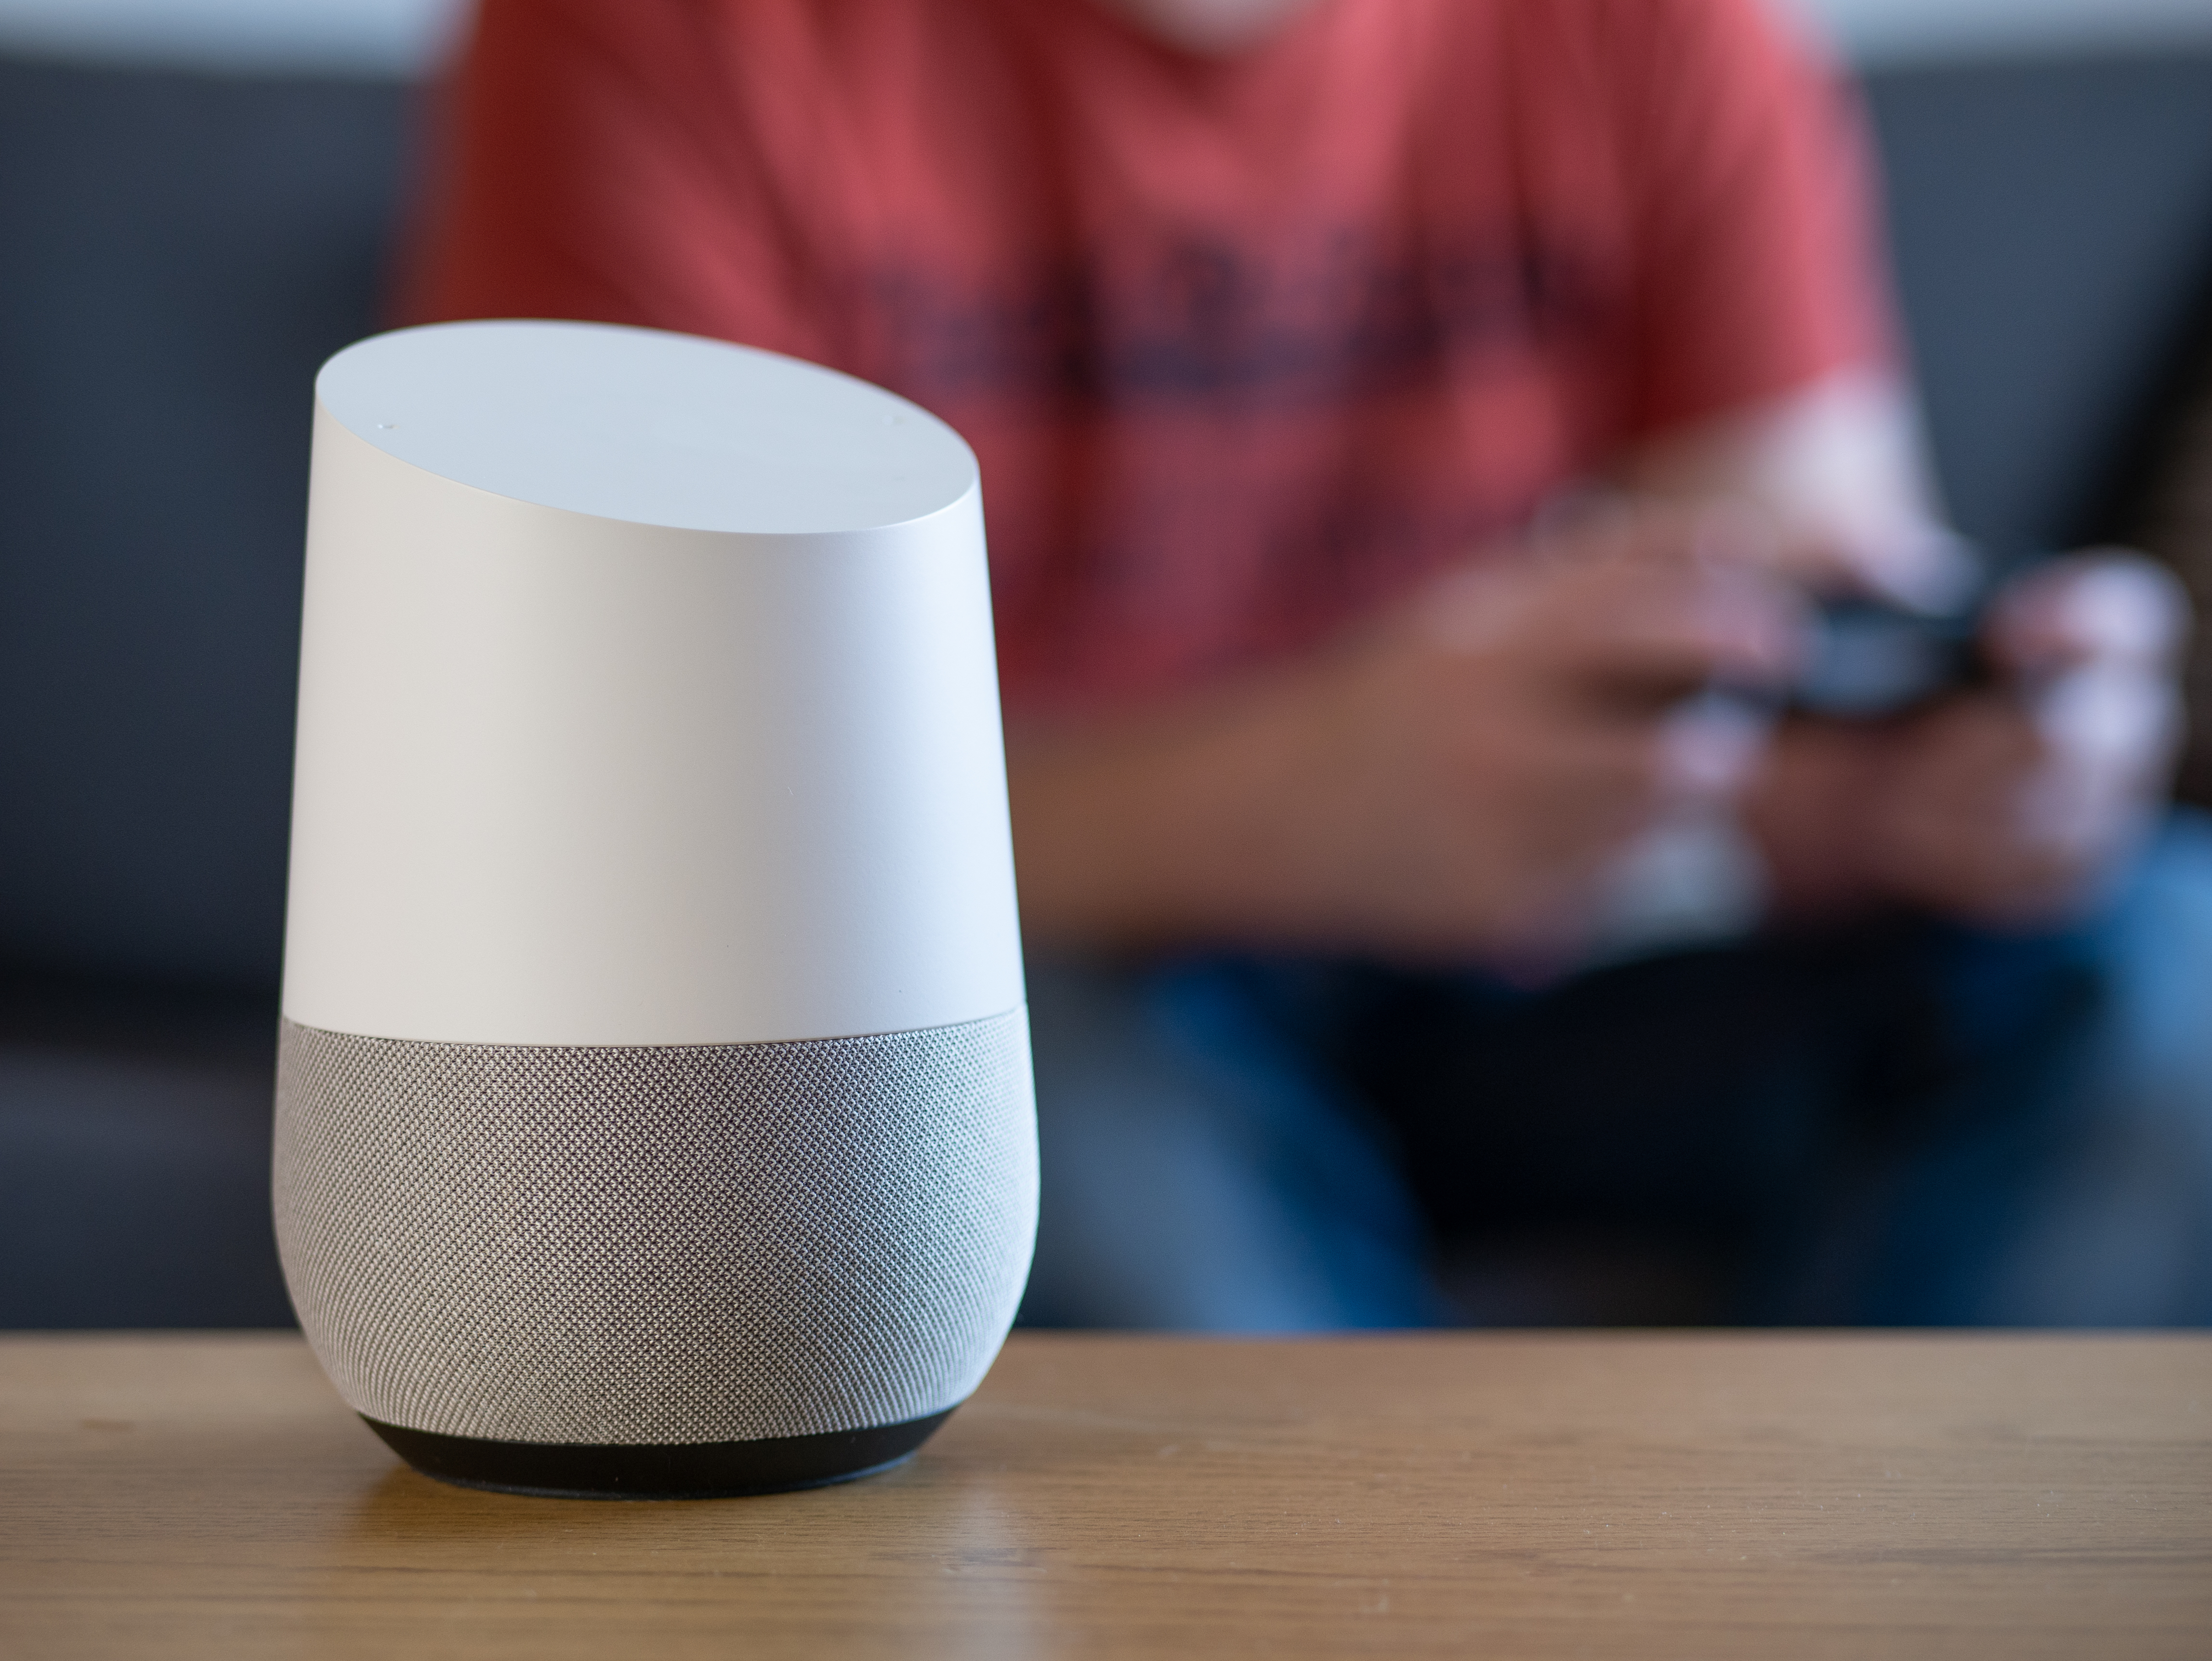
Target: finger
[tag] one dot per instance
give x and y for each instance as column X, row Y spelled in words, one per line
column 2111, row 607
column 1911, row 561
column 1965, row 766
column 1604, row 795
column 2119, row 718
column 1647, row 629
column 1708, row 536
column 2014, row 890
column 1569, row 800
column 1989, row 818
column 1675, row 630
column 1629, row 530
column 1916, row 563
column 1710, row 746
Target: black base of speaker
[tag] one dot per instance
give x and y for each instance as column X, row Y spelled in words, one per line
column 681, row 1470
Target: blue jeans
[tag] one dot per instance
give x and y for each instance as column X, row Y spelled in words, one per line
column 1912, row 1124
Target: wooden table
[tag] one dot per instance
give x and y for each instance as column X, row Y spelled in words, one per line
column 1494, row 1496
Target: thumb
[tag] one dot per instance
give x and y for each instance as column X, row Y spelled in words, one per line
column 2111, row 607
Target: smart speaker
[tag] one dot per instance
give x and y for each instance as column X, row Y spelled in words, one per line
column 654, row 1109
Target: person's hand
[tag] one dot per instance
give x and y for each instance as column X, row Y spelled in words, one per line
column 1457, row 781
column 2012, row 806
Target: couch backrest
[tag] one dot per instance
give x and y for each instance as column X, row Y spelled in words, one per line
column 2052, row 226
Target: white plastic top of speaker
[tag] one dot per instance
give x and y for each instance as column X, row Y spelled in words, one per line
column 647, row 696
column 647, row 427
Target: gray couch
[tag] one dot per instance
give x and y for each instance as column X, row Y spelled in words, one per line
column 179, row 252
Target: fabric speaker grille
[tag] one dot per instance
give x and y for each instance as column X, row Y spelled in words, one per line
column 653, row 1244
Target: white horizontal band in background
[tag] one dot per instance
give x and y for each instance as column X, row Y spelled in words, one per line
column 411, row 38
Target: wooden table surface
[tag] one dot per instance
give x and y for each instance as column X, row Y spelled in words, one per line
column 1500, row 1495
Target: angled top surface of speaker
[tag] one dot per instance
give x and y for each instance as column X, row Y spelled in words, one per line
column 647, row 427
column 647, row 696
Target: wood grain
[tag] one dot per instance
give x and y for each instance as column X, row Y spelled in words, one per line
column 1497, row 1495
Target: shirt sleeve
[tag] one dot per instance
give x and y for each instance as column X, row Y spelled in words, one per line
column 1759, row 267
column 588, row 162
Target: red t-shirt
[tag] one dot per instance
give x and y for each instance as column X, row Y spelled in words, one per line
column 1244, row 346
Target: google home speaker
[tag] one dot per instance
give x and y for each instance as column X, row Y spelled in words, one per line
column 653, row 1111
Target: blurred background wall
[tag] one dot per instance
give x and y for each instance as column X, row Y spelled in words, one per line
column 195, row 205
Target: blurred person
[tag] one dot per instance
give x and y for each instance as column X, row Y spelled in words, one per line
column 1341, row 751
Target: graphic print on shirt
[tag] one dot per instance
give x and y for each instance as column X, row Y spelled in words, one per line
column 1247, row 438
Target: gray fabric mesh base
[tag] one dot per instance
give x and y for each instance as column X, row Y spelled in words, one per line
column 656, row 1244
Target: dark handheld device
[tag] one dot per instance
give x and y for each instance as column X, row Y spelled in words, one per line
column 1871, row 659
